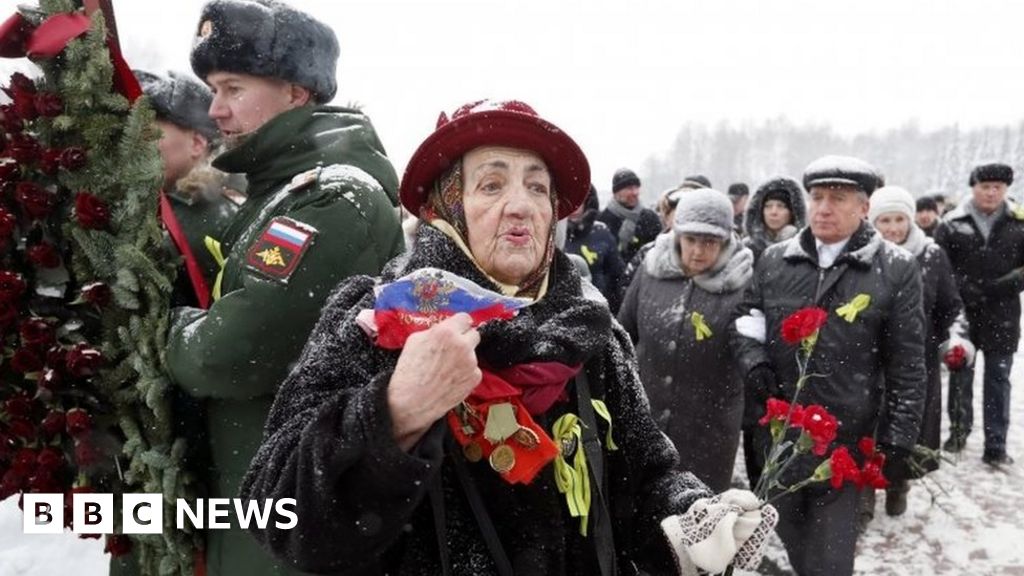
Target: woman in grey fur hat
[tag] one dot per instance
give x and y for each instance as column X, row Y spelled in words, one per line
column 677, row 311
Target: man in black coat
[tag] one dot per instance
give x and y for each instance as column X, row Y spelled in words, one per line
column 872, row 362
column 984, row 238
column 592, row 241
column 630, row 222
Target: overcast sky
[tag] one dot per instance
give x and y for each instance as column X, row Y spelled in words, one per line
column 621, row 77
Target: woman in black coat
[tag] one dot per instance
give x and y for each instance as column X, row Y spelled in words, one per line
column 693, row 276
column 385, row 447
column 892, row 213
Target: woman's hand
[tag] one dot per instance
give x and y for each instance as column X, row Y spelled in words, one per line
column 436, row 371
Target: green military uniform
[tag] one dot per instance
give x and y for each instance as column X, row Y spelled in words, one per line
column 320, row 208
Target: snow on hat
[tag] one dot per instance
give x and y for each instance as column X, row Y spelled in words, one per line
column 704, row 211
column 624, row 178
column 891, row 199
column 843, row 171
column 181, row 100
column 267, row 38
column 991, row 172
column 497, row 123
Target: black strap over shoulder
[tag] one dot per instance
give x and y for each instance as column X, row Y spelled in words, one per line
column 604, row 541
column 483, row 518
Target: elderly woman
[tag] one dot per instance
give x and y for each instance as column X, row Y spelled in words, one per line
column 892, row 213
column 775, row 214
column 678, row 311
column 385, row 450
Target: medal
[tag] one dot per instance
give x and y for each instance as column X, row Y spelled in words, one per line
column 473, row 452
column 501, row 422
column 526, row 438
column 502, row 459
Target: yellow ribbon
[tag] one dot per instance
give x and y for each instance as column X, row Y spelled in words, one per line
column 589, row 254
column 701, row 327
column 602, row 410
column 213, row 246
column 572, row 481
column 850, row 310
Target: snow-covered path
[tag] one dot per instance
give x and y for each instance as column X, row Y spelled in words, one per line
column 976, row 528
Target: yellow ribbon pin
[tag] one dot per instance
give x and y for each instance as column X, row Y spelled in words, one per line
column 213, row 247
column 701, row 327
column 572, row 481
column 850, row 310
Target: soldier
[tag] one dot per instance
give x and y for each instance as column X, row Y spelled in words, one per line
column 321, row 207
column 198, row 194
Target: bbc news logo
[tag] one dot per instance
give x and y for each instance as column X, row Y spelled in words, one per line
column 144, row 513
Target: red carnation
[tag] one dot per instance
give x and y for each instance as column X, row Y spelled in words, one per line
column 844, row 469
column 118, row 545
column 92, row 213
column 22, row 428
column 97, row 293
column 73, row 159
column 775, row 409
column 27, row 360
column 820, row 426
column 24, row 149
column 44, row 255
column 803, row 324
column 79, row 422
column 9, row 119
column 866, row 446
column 54, row 423
column 86, row 453
column 49, row 104
column 83, row 360
column 49, row 161
column 12, row 286
column 37, row 202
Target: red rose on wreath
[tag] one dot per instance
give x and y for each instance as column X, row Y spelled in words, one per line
column 49, row 104
column 49, row 380
column 23, row 93
column 54, row 423
column 821, row 427
column 50, row 459
column 83, row 360
column 98, row 294
column 44, row 255
column 37, row 333
column 27, row 360
column 8, row 316
column 9, row 120
column 20, row 405
column 79, row 422
column 9, row 171
column 86, row 453
column 72, row 159
column 12, row 286
column 37, row 202
column 22, row 428
column 24, row 149
column 14, row 34
column 91, row 212
column 803, row 324
column 49, row 162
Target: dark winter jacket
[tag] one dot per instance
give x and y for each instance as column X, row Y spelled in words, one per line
column 317, row 173
column 363, row 503
column 696, row 393
column 882, row 350
column 647, row 229
column 758, row 238
column 592, row 241
column 982, row 269
column 942, row 305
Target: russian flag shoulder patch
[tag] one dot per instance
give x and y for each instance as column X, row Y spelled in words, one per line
column 279, row 248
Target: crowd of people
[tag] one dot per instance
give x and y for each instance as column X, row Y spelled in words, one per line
column 595, row 431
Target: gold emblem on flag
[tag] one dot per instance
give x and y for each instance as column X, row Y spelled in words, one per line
column 272, row 257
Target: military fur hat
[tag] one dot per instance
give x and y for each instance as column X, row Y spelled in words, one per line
column 180, row 99
column 991, row 172
column 267, row 38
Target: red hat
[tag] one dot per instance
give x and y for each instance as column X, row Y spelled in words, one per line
column 492, row 123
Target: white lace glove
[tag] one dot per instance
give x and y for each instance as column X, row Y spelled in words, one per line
column 752, row 325
column 714, row 532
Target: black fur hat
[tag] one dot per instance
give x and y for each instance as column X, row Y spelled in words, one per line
column 267, row 38
column 180, row 99
column 991, row 172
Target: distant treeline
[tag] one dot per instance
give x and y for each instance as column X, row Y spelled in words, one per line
column 919, row 160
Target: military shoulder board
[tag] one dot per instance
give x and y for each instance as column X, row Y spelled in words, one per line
column 279, row 248
column 303, row 180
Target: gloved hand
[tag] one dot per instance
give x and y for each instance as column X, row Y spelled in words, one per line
column 762, row 383
column 897, row 461
column 731, row 528
column 752, row 325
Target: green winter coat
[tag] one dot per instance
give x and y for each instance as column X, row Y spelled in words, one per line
column 320, row 175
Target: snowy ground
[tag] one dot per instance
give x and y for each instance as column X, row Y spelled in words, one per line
column 976, row 528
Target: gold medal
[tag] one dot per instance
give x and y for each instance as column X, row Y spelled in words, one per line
column 527, row 438
column 568, row 446
column 473, row 452
column 502, row 459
